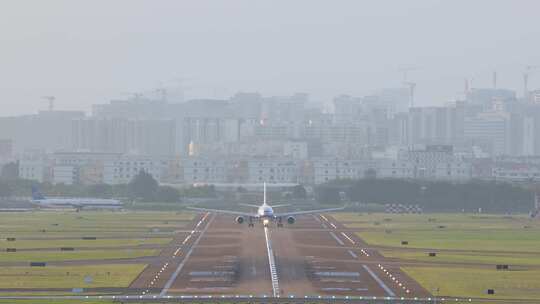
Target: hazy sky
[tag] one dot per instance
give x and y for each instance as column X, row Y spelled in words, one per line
column 86, row 52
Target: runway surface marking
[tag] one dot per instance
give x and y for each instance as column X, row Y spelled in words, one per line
column 272, row 263
column 179, row 268
column 348, row 238
column 379, row 281
column 352, row 254
column 336, row 238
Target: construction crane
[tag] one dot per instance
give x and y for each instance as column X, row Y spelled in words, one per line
column 405, row 70
column 412, row 87
column 51, row 100
column 528, row 71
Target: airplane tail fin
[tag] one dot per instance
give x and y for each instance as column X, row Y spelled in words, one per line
column 36, row 194
column 264, row 193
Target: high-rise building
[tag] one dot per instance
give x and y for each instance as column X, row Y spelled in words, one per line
column 47, row 130
column 119, row 135
column 489, row 131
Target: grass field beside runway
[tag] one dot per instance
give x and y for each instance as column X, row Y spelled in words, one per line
column 475, row 240
column 433, row 220
column 448, row 231
column 56, row 229
column 532, row 259
column 51, row 256
column 95, row 221
column 54, row 301
column 49, row 229
column 25, row 244
column 103, row 275
column 469, row 282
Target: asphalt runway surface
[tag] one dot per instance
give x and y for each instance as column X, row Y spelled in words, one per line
column 315, row 256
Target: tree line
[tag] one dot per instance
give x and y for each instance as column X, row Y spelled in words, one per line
column 143, row 187
column 489, row 196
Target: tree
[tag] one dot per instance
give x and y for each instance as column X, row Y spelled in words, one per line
column 10, row 171
column 5, row 190
column 328, row 195
column 100, row 190
column 200, row 191
column 143, row 186
column 438, row 195
column 299, row 191
column 167, row 194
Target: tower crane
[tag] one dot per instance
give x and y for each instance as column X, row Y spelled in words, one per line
column 51, row 100
column 528, row 71
column 412, row 87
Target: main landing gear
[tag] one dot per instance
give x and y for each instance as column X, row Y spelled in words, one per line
column 250, row 224
column 279, row 223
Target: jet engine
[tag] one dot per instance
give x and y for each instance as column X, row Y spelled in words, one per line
column 240, row 220
column 291, row 220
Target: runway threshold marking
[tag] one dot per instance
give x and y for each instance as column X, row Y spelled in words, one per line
column 179, row 268
column 379, row 281
column 272, row 263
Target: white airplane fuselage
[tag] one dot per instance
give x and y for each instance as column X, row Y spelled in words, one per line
column 265, row 211
column 87, row 203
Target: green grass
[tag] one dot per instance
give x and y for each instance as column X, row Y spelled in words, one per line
column 131, row 228
column 464, row 282
column 477, row 240
column 461, row 231
column 24, row 244
column 55, row 301
column 104, row 275
column 91, row 221
column 466, row 257
column 493, row 240
column 49, row 256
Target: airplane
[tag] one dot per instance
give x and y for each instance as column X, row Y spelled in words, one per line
column 265, row 213
column 77, row 203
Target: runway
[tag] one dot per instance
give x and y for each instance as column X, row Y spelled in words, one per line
column 316, row 256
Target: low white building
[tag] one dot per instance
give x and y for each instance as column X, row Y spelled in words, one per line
column 67, row 175
column 516, row 172
column 330, row 169
column 295, row 149
column 34, row 167
column 95, row 168
column 271, row 170
column 122, row 169
column 204, row 170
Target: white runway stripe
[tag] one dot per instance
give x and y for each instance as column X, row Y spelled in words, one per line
column 272, row 263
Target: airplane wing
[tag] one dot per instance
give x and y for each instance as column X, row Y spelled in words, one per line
column 223, row 211
column 310, row 211
column 249, row 205
column 282, row 205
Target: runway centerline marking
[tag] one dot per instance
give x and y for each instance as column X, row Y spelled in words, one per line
column 379, row 281
column 179, row 268
column 272, row 263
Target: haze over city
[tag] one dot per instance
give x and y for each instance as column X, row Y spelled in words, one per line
column 270, row 151
column 90, row 52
